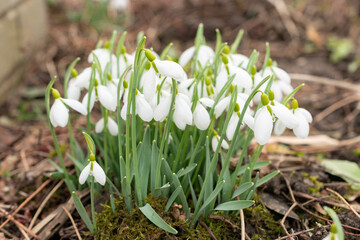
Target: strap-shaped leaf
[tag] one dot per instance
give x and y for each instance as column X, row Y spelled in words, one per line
column 267, row 178
column 90, row 143
column 244, row 187
column 172, row 198
column 150, row 213
column 82, row 212
column 188, row 169
column 234, row 205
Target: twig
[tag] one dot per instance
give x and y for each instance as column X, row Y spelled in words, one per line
column 73, row 223
column 25, row 202
column 282, row 223
column 222, row 218
column 21, row 226
column 298, row 233
column 242, row 224
column 23, row 160
column 326, row 81
column 207, row 229
column 24, row 233
column 38, row 211
column 343, row 199
column 335, row 106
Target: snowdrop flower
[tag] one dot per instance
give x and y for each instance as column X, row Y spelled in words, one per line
column 215, row 141
column 304, row 118
column 333, row 235
column 182, row 113
column 143, row 108
column 103, row 95
column 204, row 56
column 167, row 68
column 224, row 103
column 119, row 5
column 263, row 124
column 248, row 120
column 238, row 60
column 148, row 83
column 162, row 109
column 59, row 113
column 103, row 55
column 73, row 91
column 111, row 125
column 201, row 116
column 93, row 169
column 242, row 78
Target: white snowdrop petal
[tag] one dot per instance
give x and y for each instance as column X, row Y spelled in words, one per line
column 201, row 117
column 302, row 129
column 105, row 98
column 112, row 127
column 52, row 119
column 221, row 106
column 99, row 126
column 230, row 130
column 185, row 98
column 162, row 109
column 170, row 69
column 285, row 87
column 76, row 105
column 143, row 108
column 263, row 126
column 84, row 174
column 306, row 114
column 60, row 113
column 242, row 78
column 83, row 79
column 279, row 128
column 214, row 143
column 186, row 56
column 149, row 84
column 285, row 115
column 92, row 100
column 99, row 174
column 207, row 102
column 177, row 119
column 205, row 55
column 183, row 110
column 73, row 92
column 237, row 59
column 249, row 121
column 124, row 111
column 282, row 75
column 224, row 144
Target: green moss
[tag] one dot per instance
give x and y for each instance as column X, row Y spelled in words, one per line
column 266, row 226
column 134, row 225
column 317, row 184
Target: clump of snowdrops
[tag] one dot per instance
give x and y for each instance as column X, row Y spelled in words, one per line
column 167, row 125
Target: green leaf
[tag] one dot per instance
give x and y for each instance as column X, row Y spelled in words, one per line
column 172, row 198
column 335, row 218
column 244, row 187
column 149, row 212
column 349, row 171
column 266, row 59
column 90, row 143
column 257, row 165
column 234, row 205
column 188, row 169
column 165, row 51
column 267, row 178
column 237, row 41
column 82, row 212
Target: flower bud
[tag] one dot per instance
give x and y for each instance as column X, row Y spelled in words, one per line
column 74, row 73
column 264, row 99
column 253, row 70
column 271, row 96
column 96, row 83
column 224, row 59
column 150, row 56
column 123, row 50
column 295, row 104
column 92, row 157
column 55, row 93
column 210, row 72
column 109, row 77
column 125, row 84
column 207, row 81
column 270, row 62
column 226, row 49
column 148, row 66
column 237, row 108
column 107, row 45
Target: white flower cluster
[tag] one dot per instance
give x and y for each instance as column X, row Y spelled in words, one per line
column 194, row 95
